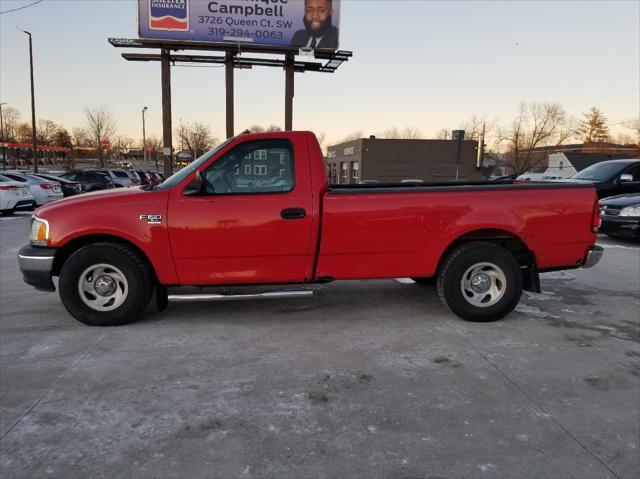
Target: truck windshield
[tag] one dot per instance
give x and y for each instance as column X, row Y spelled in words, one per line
column 178, row 176
column 600, row 171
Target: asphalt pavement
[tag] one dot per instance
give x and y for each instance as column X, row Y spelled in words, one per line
column 370, row 379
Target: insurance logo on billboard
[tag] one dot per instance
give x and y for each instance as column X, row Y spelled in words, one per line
column 297, row 23
column 169, row 15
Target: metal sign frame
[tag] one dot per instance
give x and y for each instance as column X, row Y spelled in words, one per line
column 232, row 59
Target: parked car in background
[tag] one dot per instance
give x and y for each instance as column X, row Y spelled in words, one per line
column 156, row 178
column 13, row 195
column 90, row 180
column 613, row 177
column 529, row 176
column 135, row 178
column 620, row 216
column 119, row 177
column 145, row 179
column 43, row 191
column 69, row 188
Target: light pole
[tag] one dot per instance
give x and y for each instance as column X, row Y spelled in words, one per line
column 33, row 106
column 144, row 138
column 4, row 148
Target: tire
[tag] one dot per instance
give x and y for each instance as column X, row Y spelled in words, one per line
column 105, row 284
column 8, row 212
column 496, row 287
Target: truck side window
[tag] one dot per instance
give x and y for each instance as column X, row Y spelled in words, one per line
column 253, row 167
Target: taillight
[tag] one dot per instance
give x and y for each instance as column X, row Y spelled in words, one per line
column 47, row 186
column 595, row 219
column 8, row 188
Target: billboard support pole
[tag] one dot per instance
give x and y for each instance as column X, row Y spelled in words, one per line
column 288, row 92
column 166, row 111
column 228, row 70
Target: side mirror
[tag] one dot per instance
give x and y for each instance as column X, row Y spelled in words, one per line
column 625, row 177
column 195, row 187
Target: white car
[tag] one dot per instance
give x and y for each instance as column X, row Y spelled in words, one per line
column 528, row 176
column 13, row 195
column 43, row 191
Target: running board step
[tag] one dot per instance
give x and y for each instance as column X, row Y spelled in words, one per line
column 236, row 297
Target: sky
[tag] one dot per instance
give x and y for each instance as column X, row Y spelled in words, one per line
column 423, row 64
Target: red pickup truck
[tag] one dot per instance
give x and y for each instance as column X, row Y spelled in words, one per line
column 258, row 210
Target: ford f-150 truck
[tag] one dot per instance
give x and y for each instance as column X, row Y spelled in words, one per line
column 257, row 210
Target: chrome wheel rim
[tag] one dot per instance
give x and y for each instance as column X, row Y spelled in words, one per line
column 103, row 287
column 483, row 284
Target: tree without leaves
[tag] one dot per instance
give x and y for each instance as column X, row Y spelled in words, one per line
column 80, row 137
column 101, row 127
column 537, row 125
column 407, row 133
column 351, row 137
column 593, row 128
column 197, row 138
column 24, row 133
column 11, row 121
column 635, row 126
column 443, row 134
column 262, row 129
column 45, row 132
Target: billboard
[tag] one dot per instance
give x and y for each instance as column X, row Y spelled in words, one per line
column 297, row 23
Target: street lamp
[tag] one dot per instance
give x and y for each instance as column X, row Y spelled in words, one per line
column 4, row 148
column 144, row 138
column 33, row 106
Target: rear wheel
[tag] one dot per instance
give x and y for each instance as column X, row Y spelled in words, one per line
column 105, row 284
column 480, row 282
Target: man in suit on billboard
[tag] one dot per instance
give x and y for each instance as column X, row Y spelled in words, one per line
column 318, row 32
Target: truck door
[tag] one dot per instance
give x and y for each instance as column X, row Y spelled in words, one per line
column 253, row 221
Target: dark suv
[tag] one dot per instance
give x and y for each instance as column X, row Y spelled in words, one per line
column 90, row 180
column 614, row 177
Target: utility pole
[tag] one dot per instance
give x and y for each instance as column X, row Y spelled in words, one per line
column 4, row 148
column 33, row 106
column 480, row 158
column 144, row 139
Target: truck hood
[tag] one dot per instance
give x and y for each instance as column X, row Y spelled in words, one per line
column 102, row 196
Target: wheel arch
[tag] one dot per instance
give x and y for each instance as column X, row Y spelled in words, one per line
column 75, row 244
column 507, row 240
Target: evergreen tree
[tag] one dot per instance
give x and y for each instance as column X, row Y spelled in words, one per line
column 593, row 128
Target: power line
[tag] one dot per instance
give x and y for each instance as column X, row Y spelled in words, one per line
column 20, row 8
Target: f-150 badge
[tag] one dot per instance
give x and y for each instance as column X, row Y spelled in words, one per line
column 151, row 219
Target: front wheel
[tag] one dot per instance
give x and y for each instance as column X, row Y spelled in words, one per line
column 105, row 284
column 480, row 282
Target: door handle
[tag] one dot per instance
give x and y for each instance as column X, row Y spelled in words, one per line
column 293, row 214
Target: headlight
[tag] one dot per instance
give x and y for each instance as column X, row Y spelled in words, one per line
column 630, row 211
column 39, row 231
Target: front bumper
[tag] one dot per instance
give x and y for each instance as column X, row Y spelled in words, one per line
column 593, row 257
column 627, row 226
column 36, row 264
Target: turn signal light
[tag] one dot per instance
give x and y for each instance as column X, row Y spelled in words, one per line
column 42, row 232
column 39, row 231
